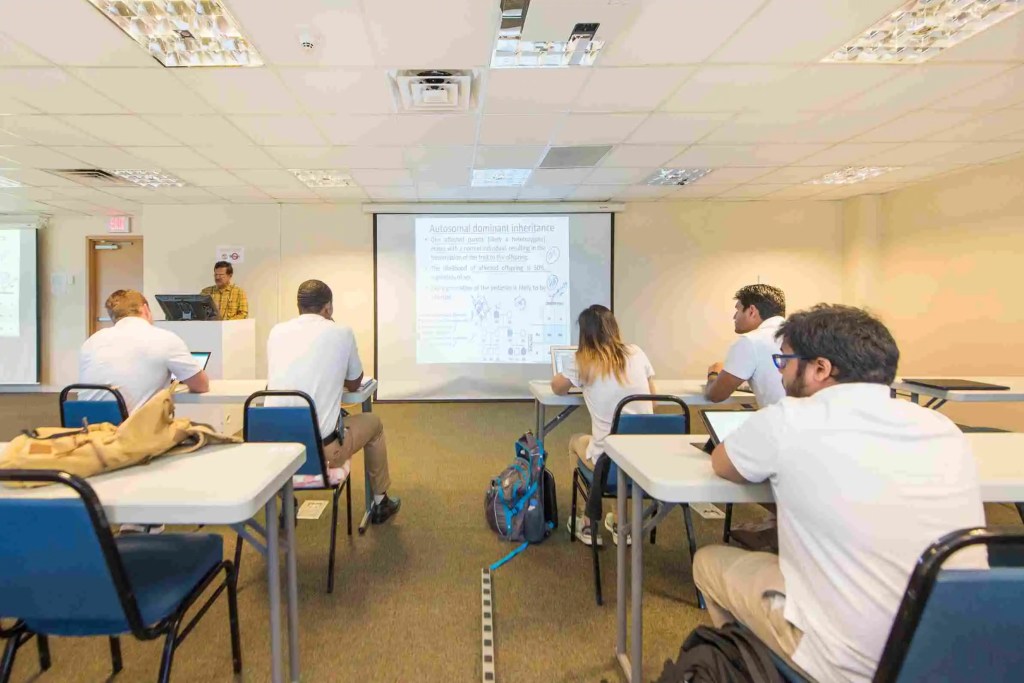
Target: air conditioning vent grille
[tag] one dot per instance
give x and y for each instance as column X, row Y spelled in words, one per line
column 433, row 90
column 90, row 176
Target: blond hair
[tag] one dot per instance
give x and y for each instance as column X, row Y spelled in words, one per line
column 601, row 352
column 125, row 303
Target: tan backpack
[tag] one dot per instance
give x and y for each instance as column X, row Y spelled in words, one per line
column 149, row 432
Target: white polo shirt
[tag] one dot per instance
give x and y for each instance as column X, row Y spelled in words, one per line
column 314, row 355
column 864, row 483
column 750, row 359
column 603, row 395
column 136, row 357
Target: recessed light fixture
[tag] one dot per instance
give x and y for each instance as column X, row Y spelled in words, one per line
column 500, row 177
column 512, row 52
column 852, row 174
column 148, row 178
column 7, row 182
column 676, row 176
column 183, row 32
column 323, row 178
column 921, row 29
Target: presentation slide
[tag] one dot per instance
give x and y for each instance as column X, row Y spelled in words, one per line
column 19, row 327
column 469, row 306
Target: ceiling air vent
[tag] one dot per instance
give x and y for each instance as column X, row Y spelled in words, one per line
column 90, row 176
column 575, row 157
column 433, row 90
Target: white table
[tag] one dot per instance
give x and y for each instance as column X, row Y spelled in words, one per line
column 216, row 485
column 938, row 397
column 671, row 469
column 689, row 391
column 238, row 390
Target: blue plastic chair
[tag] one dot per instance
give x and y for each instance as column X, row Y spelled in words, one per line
column 65, row 574
column 297, row 424
column 627, row 423
column 75, row 412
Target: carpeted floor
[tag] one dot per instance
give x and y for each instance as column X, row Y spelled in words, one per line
column 406, row 605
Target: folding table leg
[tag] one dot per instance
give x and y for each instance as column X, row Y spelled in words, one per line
column 274, row 588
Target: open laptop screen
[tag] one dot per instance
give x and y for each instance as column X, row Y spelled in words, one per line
column 563, row 360
column 722, row 423
column 201, row 358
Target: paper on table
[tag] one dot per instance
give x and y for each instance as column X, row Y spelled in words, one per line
column 312, row 509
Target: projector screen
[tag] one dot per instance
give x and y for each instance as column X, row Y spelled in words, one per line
column 19, row 319
column 468, row 306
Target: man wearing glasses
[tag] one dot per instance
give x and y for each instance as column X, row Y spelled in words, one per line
column 863, row 482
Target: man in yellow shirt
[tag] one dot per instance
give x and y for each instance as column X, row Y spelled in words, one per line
column 230, row 299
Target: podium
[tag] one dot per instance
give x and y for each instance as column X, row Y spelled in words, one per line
column 232, row 347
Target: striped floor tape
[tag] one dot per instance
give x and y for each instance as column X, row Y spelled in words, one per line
column 487, row 626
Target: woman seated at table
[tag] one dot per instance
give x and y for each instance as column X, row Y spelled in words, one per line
column 607, row 370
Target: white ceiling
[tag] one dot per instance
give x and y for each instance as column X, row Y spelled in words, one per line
column 736, row 86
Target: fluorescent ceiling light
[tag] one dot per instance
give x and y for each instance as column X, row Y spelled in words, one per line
column 851, row 174
column 183, row 32
column 500, row 177
column 7, row 182
column 513, row 53
column 148, row 178
column 323, row 178
column 921, row 29
column 676, row 176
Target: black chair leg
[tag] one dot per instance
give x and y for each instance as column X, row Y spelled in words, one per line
column 691, row 539
column 597, row 563
column 572, row 511
column 170, row 643
column 654, row 533
column 334, row 536
column 7, row 663
column 43, row 646
column 238, row 554
column 348, row 505
column 115, row 655
column 1020, row 510
column 236, row 641
column 728, row 524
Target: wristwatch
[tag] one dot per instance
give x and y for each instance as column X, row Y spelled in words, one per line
column 712, row 376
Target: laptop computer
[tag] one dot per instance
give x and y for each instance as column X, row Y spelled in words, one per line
column 957, row 385
column 563, row 361
column 202, row 359
column 721, row 423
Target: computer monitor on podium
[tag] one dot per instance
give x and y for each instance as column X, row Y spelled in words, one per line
column 188, row 306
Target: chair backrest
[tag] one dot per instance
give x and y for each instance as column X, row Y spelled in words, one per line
column 287, row 424
column 646, row 423
column 74, row 411
column 956, row 624
column 60, row 562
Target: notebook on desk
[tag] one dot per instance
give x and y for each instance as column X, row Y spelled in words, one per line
column 563, row 361
column 957, row 385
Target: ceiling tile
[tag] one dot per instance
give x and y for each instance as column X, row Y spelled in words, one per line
column 847, row 153
column 629, row 89
column 799, row 31
column 36, row 178
column 210, row 178
column 712, row 156
column 37, row 157
column 443, row 175
column 632, row 156
column 143, row 195
column 731, row 175
column 307, row 157
column 1001, row 43
column 10, row 106
column 102, row 157
column 911, row 173
column 641, row 193
column 749, row 191
column 187, row 195
column 842, row 124
column 241, row 91
column 369, row 156
column 658, row 36
column 380, row 177
column 13, row 203
column 238, row 156
column 388, row 192
column 145, row 91
column 433, row 191
column 824, row 86
column 593, row 193
column 1005, row 124
column 518, row 129
column 975, row 153
column 920, row 85
column 422, row 35
column 617, row 176
column 54, row 91
column 341, row 193
column 913, row 126
column 590, row 129
column 88, row 194
column 46, row 130
column 352, row 91
column 71, row 34
column 438, row 129
column 492, row 193
column 10, row 139
column 266, row 178
column 437, row 157
column 200, row 130
column 284, row 130
column 728, row 87
column 13, row 54
column 558, row 176
column 548, row 192
column 911, row 153
column 696, row 191
column 508, row 156
column 121, row 130
column 522, row 91
column 240, row 194
column 797, row 192
column 677, row 128
column 763, row 128
column 792, row 174
column 1006, row 89
column 172, row 158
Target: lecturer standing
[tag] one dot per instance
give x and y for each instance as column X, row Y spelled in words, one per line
column 230, row 299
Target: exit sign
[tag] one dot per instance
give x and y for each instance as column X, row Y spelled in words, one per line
column 119, row 224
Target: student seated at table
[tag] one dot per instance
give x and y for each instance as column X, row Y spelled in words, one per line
column 607, row 370
column 315, row 355
column 135, row 356
column 760, row 310
column 864, row 483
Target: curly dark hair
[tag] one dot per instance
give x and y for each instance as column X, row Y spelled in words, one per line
column 769, row 301
column 859, row 346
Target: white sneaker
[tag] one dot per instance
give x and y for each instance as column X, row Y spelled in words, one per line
column 583, row 532
column 613, row 529
column 141, row 529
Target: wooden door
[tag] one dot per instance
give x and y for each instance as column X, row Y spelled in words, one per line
column 114, row 263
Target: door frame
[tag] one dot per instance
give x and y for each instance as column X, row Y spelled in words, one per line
column 91, row 312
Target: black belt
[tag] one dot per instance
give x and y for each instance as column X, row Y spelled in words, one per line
column 331, row 438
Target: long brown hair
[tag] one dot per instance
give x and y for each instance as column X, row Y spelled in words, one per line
column 601, row 351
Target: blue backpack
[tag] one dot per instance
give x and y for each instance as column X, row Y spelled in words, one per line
column 521, row 504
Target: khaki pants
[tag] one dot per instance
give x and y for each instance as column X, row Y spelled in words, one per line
column 363, row 430
column 748, row 587
column 578, row 449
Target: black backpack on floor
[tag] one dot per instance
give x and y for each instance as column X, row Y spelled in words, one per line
column 731, row 654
